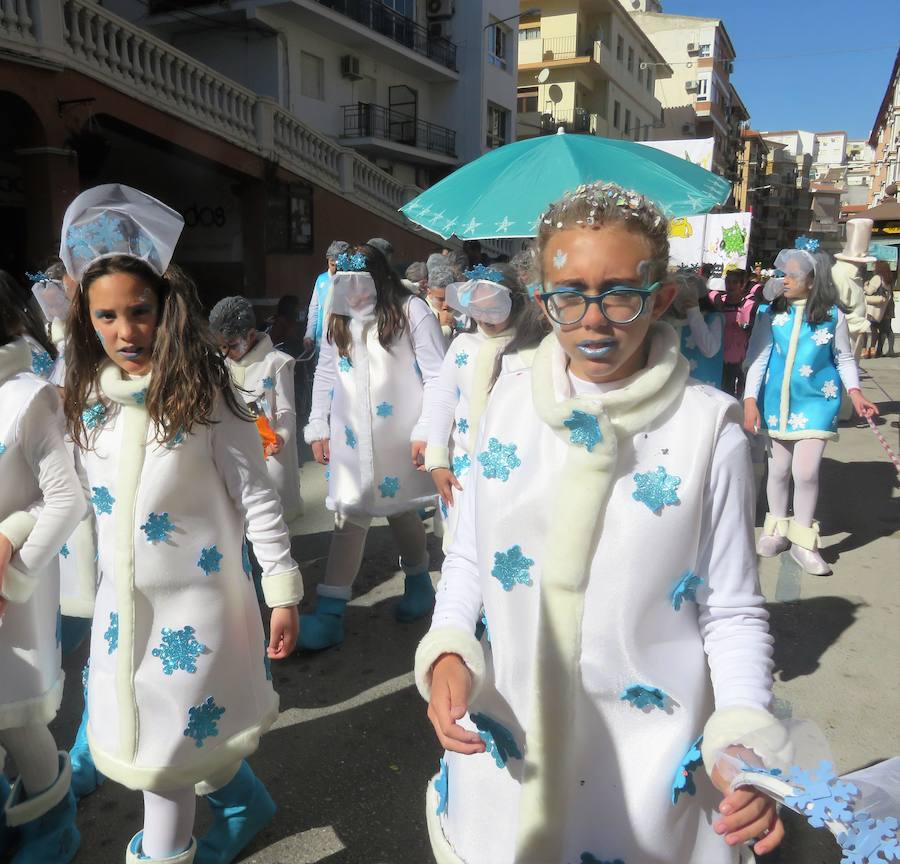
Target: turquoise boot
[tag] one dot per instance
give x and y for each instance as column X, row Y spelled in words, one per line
column 241, row 809
column 418, row 597
column 135, row 853
column 324, row 628
column 85, row 776
column 5, row 833
column 73, row 632
column 46, row 822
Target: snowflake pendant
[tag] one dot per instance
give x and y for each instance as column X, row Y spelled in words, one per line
column 179, row 650
column 642, row 696
column 210, row 559
column 385, row 409
column 657, row 489
column 102, row 500
column 498, row 740
column 498, row 460
column 158, row 527
column 686, row 589
column 203, row 721
column 389, row 487
column 684, row 776
column 511, row 568
column 584, row 430
column 112, row 633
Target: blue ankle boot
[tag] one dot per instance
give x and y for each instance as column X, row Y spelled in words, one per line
column 325, row 627
column 418, row 597
column 5, row 833
column 241, row 809
column 135, row 853
column 46, row 822
column 85, row 776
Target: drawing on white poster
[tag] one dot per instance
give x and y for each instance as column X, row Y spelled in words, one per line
column 726, row 241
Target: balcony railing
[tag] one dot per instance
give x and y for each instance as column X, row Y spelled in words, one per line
column 565, row 48
column 365, row 120
column 384, row 20
column 571, row 119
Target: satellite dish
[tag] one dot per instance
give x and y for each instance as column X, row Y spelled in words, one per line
column 555, row 94
column 543, row 75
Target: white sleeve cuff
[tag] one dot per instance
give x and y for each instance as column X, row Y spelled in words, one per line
column 283, row 589
column 16, row 527
column 449, row 640
column 436, row 457
column 419, row 432
column 316, row 430
column 753, row 728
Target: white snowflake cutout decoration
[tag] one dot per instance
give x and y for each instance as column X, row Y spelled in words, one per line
column 798, row 420
column 805, row 371
column 772, row 421
column 781, row 319
column 822, row 336
column 829, row 389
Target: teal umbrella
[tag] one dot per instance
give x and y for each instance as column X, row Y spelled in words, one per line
column 504, row 192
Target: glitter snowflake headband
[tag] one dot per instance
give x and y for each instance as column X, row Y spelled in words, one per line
column 599, row 197
column 807, row 244
column 479, row 271
column 352, row 263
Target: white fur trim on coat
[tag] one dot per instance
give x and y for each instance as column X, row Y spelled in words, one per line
column 30, row 809
column 34, row 712
column 753, row 728
column 436, row 457
column 283, row 589
column 16, row 527
column 18, row 586
column 316, row 430
column 449, row 640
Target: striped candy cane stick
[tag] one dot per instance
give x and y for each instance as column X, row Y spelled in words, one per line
column 887, row 447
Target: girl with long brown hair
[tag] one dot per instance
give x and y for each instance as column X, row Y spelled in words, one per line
column 383, row 350
column 179, row 689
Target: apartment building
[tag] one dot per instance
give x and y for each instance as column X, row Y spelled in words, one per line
column 885, row 140
column 858, row 178
column 698, row 99
column 585, row 66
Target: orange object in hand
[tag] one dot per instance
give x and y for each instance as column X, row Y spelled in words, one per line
column 266, row 433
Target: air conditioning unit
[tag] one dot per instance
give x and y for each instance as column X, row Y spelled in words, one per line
column 692, row 48
column 350, row 67
column 439, row 8
column 687, row 129
column 437, row 29
column 691, row 86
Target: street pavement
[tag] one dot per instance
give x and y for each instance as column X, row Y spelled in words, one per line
column 349, row 757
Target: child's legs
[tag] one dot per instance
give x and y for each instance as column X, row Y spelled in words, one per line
column 807, row 460
column 168, row 822
column 409, row 535
column 36, row 756
column 345, row 556
column 778, row 486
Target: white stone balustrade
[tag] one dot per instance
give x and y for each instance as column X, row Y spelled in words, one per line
column 16, row 20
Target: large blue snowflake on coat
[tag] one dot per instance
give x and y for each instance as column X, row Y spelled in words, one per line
column 389, row 487
column 584, row 430
column 268, row 383
column 441, row 785
column 350, row 435
column 210, row 560
column 102, row 500
column 870, row 841
column 461, row 464
column 94, row 415
column 41, row 363
column 657, row 489
column 498, row 460
column 642, row 696
column 158, row 527
column 511, row 568
column 462, row 425
column 203, row 721
column 685, row 590
column 179, row 650
column 498, row 740
column 384, row 409
column 112, row 633
column 684, row 776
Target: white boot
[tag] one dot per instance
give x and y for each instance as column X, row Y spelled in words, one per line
column 135, row 855
column 773, row 541
column 804, row 551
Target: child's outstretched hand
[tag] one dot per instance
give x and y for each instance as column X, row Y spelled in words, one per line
column 864, row 408
column 451, row 682
column 283, row 632
column 6, row 551
column 445, row 482
column 747, row 814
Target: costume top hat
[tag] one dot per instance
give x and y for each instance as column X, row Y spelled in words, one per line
column 856, row 247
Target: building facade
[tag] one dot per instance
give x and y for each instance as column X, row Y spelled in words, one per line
column 885, row 140
column 600, row 75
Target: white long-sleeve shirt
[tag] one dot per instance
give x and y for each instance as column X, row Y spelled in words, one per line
column 707, row 337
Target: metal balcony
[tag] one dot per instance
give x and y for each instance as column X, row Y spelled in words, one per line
column 570, row 119
column 365, row 120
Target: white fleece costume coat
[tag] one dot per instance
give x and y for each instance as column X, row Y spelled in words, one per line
column 268, row 375
column 41, row 501
column 179, row 688
column 608, row 536
column 374, row 399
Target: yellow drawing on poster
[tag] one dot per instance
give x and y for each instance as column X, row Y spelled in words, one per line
column 680, row 227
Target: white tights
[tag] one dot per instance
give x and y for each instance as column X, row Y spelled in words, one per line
column 800, row 459
column 168, row 822
column 35, row 754
column 348, row 544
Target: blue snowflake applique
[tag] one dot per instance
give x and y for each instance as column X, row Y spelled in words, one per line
column 587, row 857
column 41, row 363
column 99, row 236
column 179, row 650
column 641, row 696
column 345, row 364
column 869, row 841
column 462, row 425
column 350, row 435
column 498, row 740
column 461, row 464
column 268, row 383
column 511, row 568
column 102, row 500
column 64, row 551
column 684, row 776
column 821, row 796
column 657, row 489
column 203, row 721
column 178, row 439
column 112, row 633
column 384, row 409
column 267, row 663
column 210, row 560
column 685, row 589
column 2, row 448
column 158, row 527
column 93, row 416
column 441, row 786
column 58, row 627
column 445, row 510
column 498, row 460
column 389, row 487
column 584, row 430
column 245, row 560
column 140, row 397
column 462, row 359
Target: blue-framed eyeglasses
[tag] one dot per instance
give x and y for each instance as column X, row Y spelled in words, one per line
column 619, row 305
